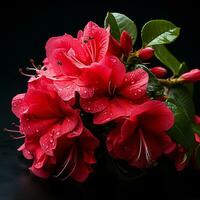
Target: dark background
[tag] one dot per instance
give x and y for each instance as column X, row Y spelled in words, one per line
column 25, row 28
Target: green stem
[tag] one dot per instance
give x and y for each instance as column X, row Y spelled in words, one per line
column 170, row 81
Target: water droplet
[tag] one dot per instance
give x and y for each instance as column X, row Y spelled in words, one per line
column 89, row 109
column 132, row 82
column 139, row 90
column 51, row 140
column 113, row 60
column 38, row 164
column 125, row 80
column 37, row 131
column 58, row 133
column 135, row 94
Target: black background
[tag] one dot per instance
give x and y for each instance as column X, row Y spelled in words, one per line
column 25, row 28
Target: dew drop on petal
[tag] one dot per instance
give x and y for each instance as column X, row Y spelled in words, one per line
column 58, row 133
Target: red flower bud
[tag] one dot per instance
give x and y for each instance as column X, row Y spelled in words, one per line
column 160, row 72
column 191, row 76
column 126, row 42
column 146, row 53
column 196, row 119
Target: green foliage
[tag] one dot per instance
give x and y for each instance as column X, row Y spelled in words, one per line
column 119, row 23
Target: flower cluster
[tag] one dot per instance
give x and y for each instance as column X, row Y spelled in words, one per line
column 100, row 74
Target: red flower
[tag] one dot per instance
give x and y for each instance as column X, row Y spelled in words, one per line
column 141, row 139
column 191, row 76
column 76, row 63
column 55, row 137
column 71, row 54
column 121, row 93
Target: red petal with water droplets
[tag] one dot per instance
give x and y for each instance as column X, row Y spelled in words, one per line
column 117, row 107
column 95, row 104
column 134, row 85
column 18, row 106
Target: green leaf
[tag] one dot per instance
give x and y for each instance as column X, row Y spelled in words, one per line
column 119, row 23
column 166, row 57
column 155, row 88
column 157, row 32
column 182, row 131
column 110, row 20
column 196, row 128
column 183, row 99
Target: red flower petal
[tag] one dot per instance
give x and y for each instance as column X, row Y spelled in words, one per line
column 18, row 106
column 153, row 111
column 135, row 85
column 95, row 41
column 95, row 104
column 117, row 107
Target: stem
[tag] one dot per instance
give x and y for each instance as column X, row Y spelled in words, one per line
column 170, row 81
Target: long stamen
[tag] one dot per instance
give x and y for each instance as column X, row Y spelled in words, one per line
column 92, row 49
column 10, row 130
column 140, row 149
column 19, row 137
column 147, row 152
column 89, row 52
column 72, row 57
column 74, row 167
column 33, row 63
column 67, row 164
column 14, row 124
column 31, row 69
column 21, row 72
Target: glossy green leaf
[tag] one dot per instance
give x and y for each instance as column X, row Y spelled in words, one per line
column 183, row 99
column 154, row 88
column 182, row 131
column 167, row 58
column 114, row 28
column 119, row 23
column 156, row 32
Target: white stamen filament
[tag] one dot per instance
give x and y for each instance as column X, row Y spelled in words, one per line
column 146, row 150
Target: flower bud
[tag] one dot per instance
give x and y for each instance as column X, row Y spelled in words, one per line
column 146, row 53
column 196, row 120
column 191, row 76
column 126, row 42
column 159, row 71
